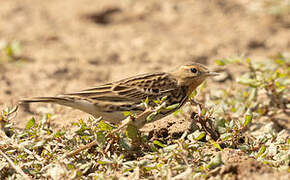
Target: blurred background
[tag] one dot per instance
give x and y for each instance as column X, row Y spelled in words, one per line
column 51, row 47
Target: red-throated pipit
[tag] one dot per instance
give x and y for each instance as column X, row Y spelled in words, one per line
column 113, row 99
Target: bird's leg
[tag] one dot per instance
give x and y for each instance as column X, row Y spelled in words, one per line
column 124, row 123
column 196, row 117
column 138, row 122
column 205, row 122
column 141, row 119
column 194, row 103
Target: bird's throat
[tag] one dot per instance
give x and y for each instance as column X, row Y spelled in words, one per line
column 191, row 88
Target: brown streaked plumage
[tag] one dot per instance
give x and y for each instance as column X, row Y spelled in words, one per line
column 112, row 99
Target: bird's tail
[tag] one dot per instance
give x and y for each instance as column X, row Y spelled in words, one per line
column 57, row 100
column 76, row 103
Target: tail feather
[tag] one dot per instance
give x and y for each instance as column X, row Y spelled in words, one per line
column 80, row 104
column 56, row 100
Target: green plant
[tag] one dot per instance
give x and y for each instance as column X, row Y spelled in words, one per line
column 10, row 51
column 233, row 111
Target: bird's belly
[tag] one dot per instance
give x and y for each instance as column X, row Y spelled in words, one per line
column 112, row 117
column 118, row 117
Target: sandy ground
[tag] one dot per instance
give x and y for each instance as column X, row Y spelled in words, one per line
column 69, row 45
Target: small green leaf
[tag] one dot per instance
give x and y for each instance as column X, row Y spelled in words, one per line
column 151, row 116
column 103, row 162
column 16, row 48
column 248, row 117
column 70, row 166
column 231, row 124
column 198, row 135
column 13, row 110
column 220, row 62
column 248, row 60
column 104, row 126
column 279, row 61
column 125, row 143
column 216, row 145
column 58, row 134
column 252, row 94
column 221, row 129
column 153, row 148
column 203, row 112
column 246, row 79
column 163, row 98
column 132, row 132
column 175, row 113
column 9, row 51
column 262, row 150
column 226, row 136
column 101, row 139
column 170, row 148
column 146, row 100
column 156, row 101
column 127, row 113
column 215, row 162
column 193, row 94
column 243, row 147
column 171, row 107
column 30, row 123
column 158, row 143
column 128, row 170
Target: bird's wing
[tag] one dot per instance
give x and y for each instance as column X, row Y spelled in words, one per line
column 130, row 90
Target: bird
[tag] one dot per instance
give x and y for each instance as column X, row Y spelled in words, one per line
column 111, row 100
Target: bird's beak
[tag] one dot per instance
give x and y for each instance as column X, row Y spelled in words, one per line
column 212, row 74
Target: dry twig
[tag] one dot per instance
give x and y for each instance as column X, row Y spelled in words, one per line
column 15, row 167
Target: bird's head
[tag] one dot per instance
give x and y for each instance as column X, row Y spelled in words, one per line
column 192, row 75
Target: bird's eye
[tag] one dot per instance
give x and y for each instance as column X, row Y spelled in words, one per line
column 193, row 70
